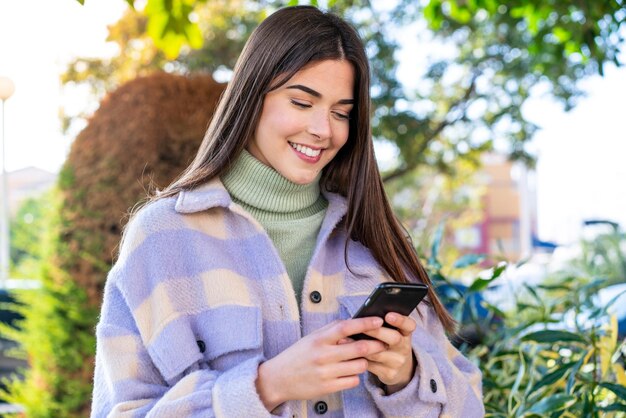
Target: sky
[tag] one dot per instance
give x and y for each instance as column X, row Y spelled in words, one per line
column 34, row 48
column 581, row 170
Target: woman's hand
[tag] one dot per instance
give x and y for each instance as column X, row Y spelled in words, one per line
column 323, row 362
column 395, row 366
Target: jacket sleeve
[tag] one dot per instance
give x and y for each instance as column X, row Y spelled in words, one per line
column 445, row 382
column 127, row 382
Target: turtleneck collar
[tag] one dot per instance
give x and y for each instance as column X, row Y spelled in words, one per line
column 261, row 187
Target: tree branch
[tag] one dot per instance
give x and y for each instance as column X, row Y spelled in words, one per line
column 460, row 102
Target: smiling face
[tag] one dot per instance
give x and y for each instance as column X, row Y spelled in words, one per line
column 305, row 122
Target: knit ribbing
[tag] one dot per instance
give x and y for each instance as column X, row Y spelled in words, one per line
column 269, row 196
column 291, row 214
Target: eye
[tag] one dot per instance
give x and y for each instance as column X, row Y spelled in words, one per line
column 342, row 116
column 300, row 104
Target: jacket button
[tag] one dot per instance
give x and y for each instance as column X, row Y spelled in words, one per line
column 321, row 407
column 433, row 385
column 315, row 296
column 201, row 346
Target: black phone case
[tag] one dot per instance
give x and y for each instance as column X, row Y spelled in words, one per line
column 391, row 297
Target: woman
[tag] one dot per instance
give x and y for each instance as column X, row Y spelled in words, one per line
column 234, row 288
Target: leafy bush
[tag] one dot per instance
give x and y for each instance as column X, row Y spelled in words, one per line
column 143, row 134
column 553, row 353
column 29, row 231
column 604, row 254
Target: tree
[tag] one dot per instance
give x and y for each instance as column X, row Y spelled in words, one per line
column 485, row 60
column 468, row 100
column 225, row 26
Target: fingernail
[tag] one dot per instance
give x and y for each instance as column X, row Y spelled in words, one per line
column 377, row 322
column 392, row 317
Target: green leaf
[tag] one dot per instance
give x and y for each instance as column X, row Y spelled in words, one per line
column 468, row 260
column 523, row 306
column 615, row 407
column 619, row 390
column 603, row 310
column 517, row 12
column 433, row 15
column 533, row 293
column 193, row 34
column 550, row 336
column 461, row 15
column 521, row 371
column 533, row 18
column 553, row 287
column 522, row 262
column 497, row 272
column 493, row 309
column 594, row 285
column 481, row 284
column 170, row 28
column 553, row 376
column 571, row 380
column 561, row 34
column 552, row 404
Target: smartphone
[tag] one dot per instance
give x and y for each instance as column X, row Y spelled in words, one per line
column 391, row 297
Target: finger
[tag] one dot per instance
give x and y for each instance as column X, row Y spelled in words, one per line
column 344, row 341
column 405, row 324
column 359, row 349
column 348, row 368
column 349, row 327
column 388, row 336
column 342, row 383
column 377, row 357
column 344, row 352
column 380, row 370
column 388, row 359
column 387, row 375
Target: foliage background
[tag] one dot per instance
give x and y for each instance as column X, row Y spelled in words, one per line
column 468, row 101
column 142, row 136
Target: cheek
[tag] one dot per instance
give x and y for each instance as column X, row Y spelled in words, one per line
column 279, row 120
column 341, row 136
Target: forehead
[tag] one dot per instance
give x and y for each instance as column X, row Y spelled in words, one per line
column 332, row 78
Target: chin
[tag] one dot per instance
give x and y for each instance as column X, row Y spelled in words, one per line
column 302, row 180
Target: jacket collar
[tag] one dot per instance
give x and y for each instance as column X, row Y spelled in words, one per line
column 214, row 194
column 206, row 196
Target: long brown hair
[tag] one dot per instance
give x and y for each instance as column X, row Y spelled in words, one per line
column 280, row 46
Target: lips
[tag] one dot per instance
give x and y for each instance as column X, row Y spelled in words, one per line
column 306, row 150
column 306, row 153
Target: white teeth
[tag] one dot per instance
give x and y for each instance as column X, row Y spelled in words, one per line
column 305, row 150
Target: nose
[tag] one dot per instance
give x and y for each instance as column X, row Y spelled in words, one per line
column 319, row 125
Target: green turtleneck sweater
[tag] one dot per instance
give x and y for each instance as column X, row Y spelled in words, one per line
column 291, row 213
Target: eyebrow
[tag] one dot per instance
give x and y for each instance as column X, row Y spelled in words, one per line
column 317, row 94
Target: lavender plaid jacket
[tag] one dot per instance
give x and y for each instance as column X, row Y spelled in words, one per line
column 199, row 297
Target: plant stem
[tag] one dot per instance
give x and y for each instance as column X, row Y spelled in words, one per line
column 596, row 378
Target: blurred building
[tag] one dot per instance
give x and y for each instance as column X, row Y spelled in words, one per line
column 509, row 211
column 28, row 182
